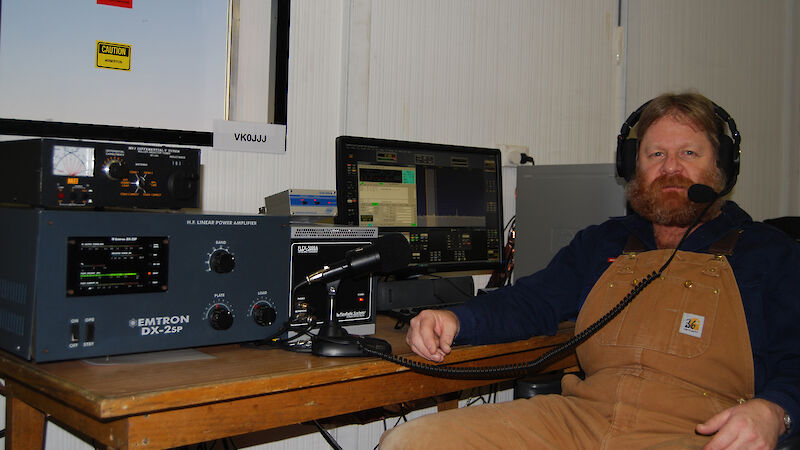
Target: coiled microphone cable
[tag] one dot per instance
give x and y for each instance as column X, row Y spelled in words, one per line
column 522, row 369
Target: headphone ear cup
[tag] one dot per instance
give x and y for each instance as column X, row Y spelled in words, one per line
column 626, row 158
column 728, row 159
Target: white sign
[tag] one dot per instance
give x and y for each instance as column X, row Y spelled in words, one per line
column 249, row 136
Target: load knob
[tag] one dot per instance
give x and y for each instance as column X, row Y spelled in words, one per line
column 264, row 314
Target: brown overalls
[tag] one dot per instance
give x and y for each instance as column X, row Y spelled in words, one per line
column 677, row 355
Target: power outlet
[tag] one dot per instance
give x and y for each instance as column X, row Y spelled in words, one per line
column 512, row 154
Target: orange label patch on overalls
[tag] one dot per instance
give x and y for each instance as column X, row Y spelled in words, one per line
column 692, row 324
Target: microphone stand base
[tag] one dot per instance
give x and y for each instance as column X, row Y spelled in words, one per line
column 333, row 340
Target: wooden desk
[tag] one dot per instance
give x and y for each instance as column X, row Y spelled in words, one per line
column 239, row 390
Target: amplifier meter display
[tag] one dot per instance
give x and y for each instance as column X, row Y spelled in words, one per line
column 116, row 265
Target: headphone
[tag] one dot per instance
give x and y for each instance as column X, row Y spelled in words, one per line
column 728, row 154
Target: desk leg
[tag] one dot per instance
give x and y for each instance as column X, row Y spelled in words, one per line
column 449, row 404
column 447, row 401
column 24, row 425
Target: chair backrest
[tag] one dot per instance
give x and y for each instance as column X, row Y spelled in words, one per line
column 788, row 224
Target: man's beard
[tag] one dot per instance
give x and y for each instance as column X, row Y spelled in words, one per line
column 672, row 208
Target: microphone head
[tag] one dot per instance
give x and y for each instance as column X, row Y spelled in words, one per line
column 388, row 253
column 700, row 193
column 394, row 251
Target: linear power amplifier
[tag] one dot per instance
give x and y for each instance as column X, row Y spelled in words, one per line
column 95, row 283
column 88, row 175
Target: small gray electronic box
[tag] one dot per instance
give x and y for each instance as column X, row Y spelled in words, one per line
column 309, row 205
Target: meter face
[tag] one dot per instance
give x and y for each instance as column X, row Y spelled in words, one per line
column 72, row 161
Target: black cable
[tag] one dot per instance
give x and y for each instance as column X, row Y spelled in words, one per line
column 521, row 369
column 402, row 416
column 502, row 277
column 327, row 436
column 272, row 340
column 476, row 399
column 300, row 331
column 474, row 395
column 510, row 221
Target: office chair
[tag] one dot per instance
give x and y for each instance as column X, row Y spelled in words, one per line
column 788, row 224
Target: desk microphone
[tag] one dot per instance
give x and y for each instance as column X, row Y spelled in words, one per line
column 388, row 253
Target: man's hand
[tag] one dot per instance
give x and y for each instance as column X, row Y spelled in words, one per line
column 755, row 424
column 431, row 333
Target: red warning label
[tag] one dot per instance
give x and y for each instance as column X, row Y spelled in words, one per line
column 120, row 3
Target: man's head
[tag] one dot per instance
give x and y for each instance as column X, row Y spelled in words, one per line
column 678, row 137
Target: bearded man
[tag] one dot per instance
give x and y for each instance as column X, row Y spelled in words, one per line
column 706, row 356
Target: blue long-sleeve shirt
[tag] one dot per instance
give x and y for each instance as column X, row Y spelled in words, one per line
column 765, row 262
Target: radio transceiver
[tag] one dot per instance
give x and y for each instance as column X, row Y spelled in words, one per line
column 88, row 175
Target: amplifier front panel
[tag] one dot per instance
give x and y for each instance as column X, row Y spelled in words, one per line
column 106, row 283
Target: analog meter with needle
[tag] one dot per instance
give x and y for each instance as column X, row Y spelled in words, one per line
column 73, row 161
column 81, row 174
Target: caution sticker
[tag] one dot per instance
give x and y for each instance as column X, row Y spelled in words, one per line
column 111, row 55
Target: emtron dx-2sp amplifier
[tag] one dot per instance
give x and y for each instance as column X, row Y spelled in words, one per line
column 78, row 284
column 88, row 175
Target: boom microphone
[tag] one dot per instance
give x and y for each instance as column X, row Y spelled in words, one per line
column 388, row 253
column 701, row 193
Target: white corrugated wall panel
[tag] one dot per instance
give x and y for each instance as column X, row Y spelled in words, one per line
column 735, row 52
column 533, row 73
column 239, row 181
column 540, row 74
